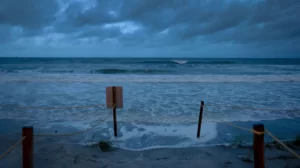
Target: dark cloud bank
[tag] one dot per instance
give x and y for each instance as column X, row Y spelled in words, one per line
column 201, row 28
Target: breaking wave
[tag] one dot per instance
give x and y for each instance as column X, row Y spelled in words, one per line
column 180, row 61
column 129, row 71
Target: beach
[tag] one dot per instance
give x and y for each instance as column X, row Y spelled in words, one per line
column 66, row 151
column 158, row 123
column 48, row 154
column 150, row 83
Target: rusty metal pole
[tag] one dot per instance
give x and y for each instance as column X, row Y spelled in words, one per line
column 27, row 132
column 200, row 119
column 258, row 146
column 114, row 92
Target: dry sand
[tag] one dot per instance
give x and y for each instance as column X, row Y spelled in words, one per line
column 49, row 154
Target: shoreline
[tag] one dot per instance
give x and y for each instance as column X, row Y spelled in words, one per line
column 135, row 138
column 49, row 154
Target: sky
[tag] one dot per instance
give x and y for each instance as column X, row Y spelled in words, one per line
column 150, row 28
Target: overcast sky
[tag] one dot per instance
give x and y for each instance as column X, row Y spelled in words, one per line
column 150, row 28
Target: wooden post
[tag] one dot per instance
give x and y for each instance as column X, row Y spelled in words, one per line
column 200, row 119
column 258, row 146
column 27, row 132
column 115, row 109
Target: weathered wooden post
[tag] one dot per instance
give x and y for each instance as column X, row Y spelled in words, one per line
column 200, row 119
column 27, row 132
column 258, row 146
column 114, row 100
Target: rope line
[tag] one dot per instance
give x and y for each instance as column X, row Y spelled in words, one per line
column 281, row 143
column 50, row 108
column 12, row 148
column 243, row 128
column 103, row 120
column 251, row 108
column 239, row 127
column 75, row 133
column 261, row 133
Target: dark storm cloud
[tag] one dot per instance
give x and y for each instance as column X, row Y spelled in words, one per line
column 96, row 15
column 156, row 22
column 216, row 20
column 28, row 13
column 243, row 22
column 99, row 32
column 270, row 22
column 25, row 18
column 5, row 33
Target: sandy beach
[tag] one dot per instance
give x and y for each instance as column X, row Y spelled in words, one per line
column 49, row 154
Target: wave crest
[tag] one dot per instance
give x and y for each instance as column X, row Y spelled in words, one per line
column 129, row 71
column 180, row 61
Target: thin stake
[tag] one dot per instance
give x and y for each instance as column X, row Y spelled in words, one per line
column 200, row 119
column 115, row 110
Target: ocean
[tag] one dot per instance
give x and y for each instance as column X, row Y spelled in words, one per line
column 161, row 98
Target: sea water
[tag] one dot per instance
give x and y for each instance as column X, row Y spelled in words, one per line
column 161, row 98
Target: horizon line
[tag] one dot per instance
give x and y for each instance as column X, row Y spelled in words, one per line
column 167, row 57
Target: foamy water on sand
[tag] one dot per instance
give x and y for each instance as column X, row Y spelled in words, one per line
column 161, row 100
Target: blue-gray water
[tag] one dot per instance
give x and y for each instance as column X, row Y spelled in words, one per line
column 161, row 97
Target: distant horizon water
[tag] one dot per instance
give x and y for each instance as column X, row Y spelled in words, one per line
column 152, row 57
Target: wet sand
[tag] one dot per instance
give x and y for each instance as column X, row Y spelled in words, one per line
column 50, row 154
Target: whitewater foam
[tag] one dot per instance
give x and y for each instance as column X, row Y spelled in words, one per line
column 180, row 135
column 180, row 61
